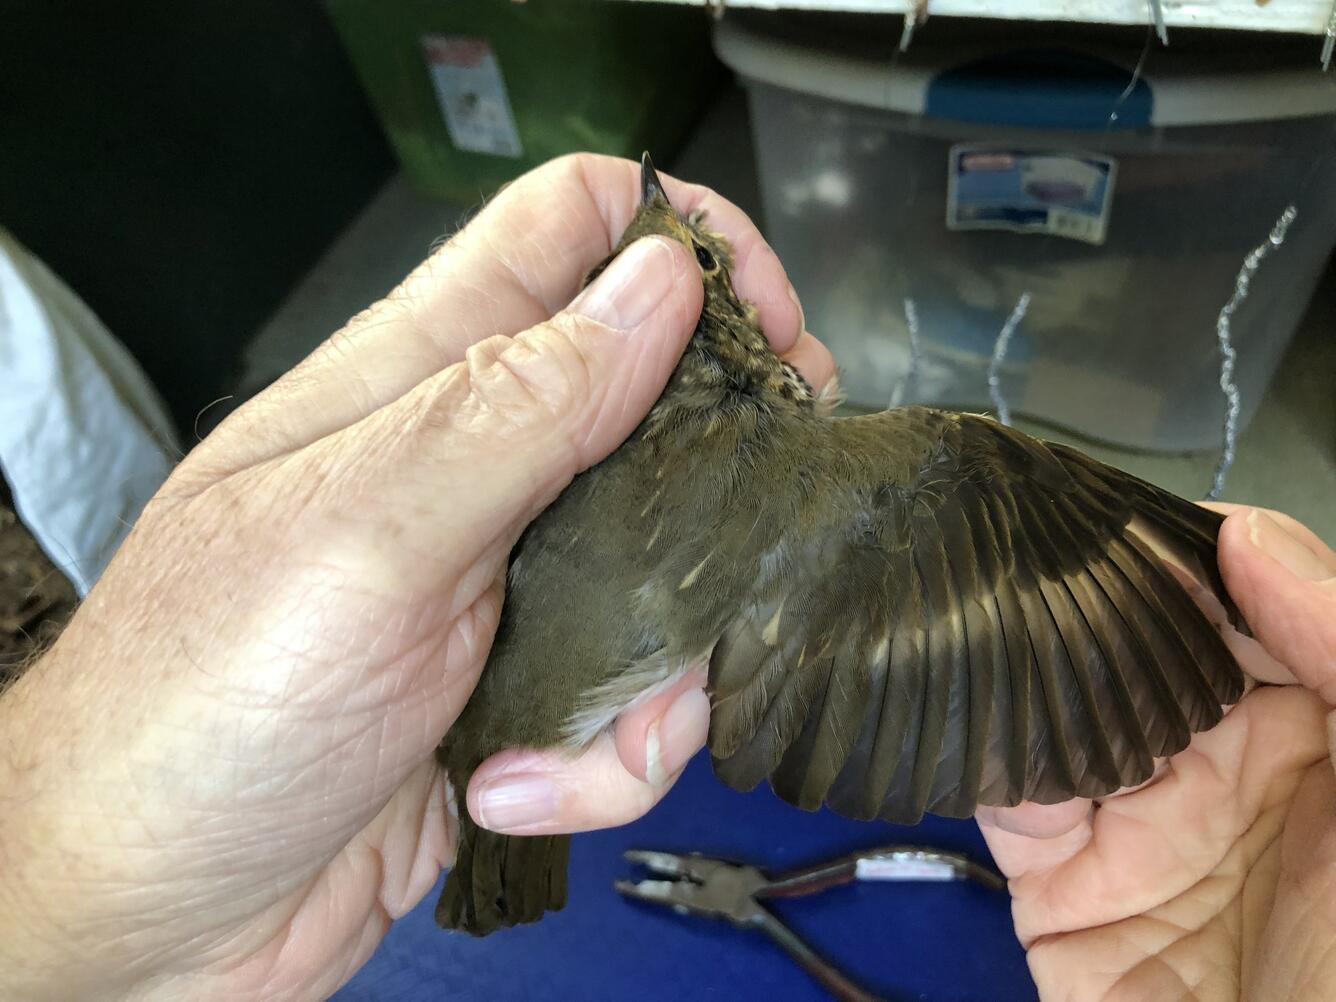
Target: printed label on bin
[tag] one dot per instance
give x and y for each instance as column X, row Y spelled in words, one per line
column 472, row 95
column 1030, row 191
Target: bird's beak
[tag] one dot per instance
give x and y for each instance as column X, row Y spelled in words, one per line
column 650, row 185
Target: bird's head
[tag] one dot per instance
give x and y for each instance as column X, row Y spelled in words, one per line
column 655, row 216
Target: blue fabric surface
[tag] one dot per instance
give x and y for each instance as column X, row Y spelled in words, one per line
column 942, row 942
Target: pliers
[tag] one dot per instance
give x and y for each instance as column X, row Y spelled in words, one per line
column 699, row 885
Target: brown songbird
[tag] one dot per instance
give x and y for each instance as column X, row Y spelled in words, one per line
column 906, row 612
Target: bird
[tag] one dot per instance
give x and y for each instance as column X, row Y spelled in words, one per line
column 907, row 612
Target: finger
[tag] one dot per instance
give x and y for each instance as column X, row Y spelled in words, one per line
column 1288, row 541
column 813, row 359
column 1252, row 657
column 658, row 736
column 1036, row 821
column 758, row 276
column 1301, row 904
column 527, row 792
column 335, row 921
column 411, row 839
column 1223, row 507
column 1051, row 821
column 1035, row 837
column 1287, row 522
column 519, row 262
column 1256, row 661
column 456, row 468
column 1284, row 582
column 1160, row 770
column 1151, row 846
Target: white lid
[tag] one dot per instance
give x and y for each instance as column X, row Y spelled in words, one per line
column 1187, row 88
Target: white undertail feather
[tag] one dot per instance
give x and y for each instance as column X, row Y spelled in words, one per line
column 829, row 397
column 638, row 682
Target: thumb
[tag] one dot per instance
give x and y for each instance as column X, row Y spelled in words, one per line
column 474, row 453
column 1283, row 579
column 565, row 393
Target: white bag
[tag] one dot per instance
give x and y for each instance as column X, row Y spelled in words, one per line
column 84, row 439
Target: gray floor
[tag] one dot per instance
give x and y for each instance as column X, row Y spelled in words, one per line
column 1286, row 457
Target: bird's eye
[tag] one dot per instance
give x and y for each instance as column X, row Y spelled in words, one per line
column 705, row 259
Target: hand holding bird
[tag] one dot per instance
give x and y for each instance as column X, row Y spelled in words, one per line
column 228, row 759
column 1212, row 882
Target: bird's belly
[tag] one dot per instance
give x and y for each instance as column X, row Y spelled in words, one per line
column 615, row 592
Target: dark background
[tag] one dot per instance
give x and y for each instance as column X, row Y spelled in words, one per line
column 180, row 166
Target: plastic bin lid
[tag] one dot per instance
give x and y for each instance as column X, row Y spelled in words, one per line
column 1027, row 85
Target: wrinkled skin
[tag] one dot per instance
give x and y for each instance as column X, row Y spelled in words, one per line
column 219, row 783
column 1217, row 880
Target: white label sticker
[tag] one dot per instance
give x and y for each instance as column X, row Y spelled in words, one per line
column 903, row 866
column 472, row 95
column 1030, row 191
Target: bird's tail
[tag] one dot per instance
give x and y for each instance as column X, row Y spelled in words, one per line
column 501, row 880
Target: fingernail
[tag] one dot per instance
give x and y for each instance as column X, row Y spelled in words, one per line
column 1267, row 535
column 630, row 288
column 516, row 802
column 676, row 736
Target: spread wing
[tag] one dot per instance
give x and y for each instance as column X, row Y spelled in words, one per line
column 997, row 628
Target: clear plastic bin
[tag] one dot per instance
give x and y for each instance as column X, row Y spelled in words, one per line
column 1128, row 231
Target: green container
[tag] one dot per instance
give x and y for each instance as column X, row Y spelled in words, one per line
column 472, row 93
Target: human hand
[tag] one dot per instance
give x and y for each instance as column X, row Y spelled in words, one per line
column 1217, row 879
column 220, row 782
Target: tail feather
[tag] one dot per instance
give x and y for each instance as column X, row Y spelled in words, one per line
column 502, row 880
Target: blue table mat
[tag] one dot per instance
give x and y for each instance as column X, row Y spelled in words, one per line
column 938, row 942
